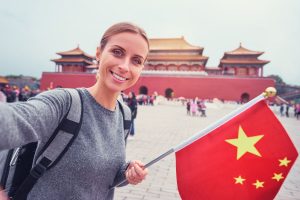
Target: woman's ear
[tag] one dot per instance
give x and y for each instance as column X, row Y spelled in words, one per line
column 98, row 54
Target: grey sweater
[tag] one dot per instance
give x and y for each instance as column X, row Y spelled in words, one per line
column 95, row 160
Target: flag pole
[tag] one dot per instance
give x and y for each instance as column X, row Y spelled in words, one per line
column 269, row 92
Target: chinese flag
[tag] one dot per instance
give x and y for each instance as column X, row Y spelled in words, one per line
column 248, row 157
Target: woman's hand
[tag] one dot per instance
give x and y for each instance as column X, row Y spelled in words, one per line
column 136, row 172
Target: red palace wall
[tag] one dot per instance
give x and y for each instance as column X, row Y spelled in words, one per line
column 67, row 80
column 227, row 88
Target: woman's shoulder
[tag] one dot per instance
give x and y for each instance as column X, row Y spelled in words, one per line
column 56, row 93
column 59, row 95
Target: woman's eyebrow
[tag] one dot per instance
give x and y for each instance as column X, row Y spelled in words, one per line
column 119, row 47
column 141, row 57
column 136, row 55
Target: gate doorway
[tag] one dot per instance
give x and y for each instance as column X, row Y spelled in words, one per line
column 245, row 97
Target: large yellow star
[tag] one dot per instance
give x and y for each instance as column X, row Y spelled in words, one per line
column 277, row 177
column 245, row 144
column 239, row 180
column 284, row 162
column 258, row 184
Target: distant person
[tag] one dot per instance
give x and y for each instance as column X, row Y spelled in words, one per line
column 287, row 108
column 152, row 98
column 132, row 104
column 194, row 106
column 188, row 107
column 202, row 108
column 17, row 92
column 10, row 94
column 281, row 109
column 297, row 110
column 96, row 159
column 25, row 94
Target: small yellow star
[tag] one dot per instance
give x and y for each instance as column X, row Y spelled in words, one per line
column 284, row 162
column 239, row 180
column 245, row 144
column 277, row 177
column 258, row 184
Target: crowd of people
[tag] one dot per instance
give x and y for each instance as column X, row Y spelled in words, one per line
column 196, row 107
column 13, row 93
column 285, row 110
column 142, row 99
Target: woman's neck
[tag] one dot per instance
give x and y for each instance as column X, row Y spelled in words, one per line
column 103, row 96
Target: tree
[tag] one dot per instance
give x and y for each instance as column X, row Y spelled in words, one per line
column 277, row 79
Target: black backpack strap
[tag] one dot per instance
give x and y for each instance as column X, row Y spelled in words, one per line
column 57, row 145
column 5, row 171
column 126, row 113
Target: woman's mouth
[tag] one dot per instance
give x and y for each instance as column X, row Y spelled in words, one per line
column 118, row 77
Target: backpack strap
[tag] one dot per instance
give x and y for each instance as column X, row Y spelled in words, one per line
column 57, row 145
column 127, row 115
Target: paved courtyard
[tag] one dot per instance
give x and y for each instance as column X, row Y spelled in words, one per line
column 161, row 127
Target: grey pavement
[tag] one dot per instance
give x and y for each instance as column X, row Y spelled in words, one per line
column 161, row 127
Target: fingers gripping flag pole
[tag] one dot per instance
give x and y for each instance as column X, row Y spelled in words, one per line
column 188, row 188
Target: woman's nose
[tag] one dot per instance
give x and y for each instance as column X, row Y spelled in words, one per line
column 125, row 65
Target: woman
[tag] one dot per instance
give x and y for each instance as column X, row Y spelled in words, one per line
column 96, row 159
column 132, row 104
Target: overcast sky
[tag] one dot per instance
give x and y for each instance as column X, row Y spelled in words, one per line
column 32, row 31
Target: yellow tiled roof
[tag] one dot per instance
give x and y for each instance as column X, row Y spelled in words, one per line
column 243, row 51
column 76, row 51
column 153, row 57
column 72, row 60
column 3, row 80
column 244, row 61
column 171, row 44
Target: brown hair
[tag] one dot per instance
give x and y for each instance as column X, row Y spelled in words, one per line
column 121, row 28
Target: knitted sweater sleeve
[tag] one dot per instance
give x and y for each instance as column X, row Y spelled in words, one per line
column 34, row 120
column 121, row 175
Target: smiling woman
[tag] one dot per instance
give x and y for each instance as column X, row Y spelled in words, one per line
column 96, row 159
column 121, row 59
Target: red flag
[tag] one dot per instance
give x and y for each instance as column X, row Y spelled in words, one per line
column 248, row 157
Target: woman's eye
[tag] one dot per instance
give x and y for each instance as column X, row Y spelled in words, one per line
column 117, row 52
column 137, row 61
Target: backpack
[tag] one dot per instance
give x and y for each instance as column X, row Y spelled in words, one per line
column 18, row 170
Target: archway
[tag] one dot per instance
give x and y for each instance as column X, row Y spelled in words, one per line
column 143, row 90
column 245, row 97
column 169, row 93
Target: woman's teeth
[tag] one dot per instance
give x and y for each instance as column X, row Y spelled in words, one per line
column 118, row 77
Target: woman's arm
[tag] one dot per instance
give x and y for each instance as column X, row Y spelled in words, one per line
column 36, row 119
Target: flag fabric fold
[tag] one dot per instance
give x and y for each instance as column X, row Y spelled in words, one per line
column 248, row 157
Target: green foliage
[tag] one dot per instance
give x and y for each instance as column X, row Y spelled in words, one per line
column 21, row 77
column 277, row 79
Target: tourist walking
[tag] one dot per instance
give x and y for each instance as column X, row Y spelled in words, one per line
column 132, row 104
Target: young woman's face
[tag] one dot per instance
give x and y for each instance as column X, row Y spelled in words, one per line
column 121, row 61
